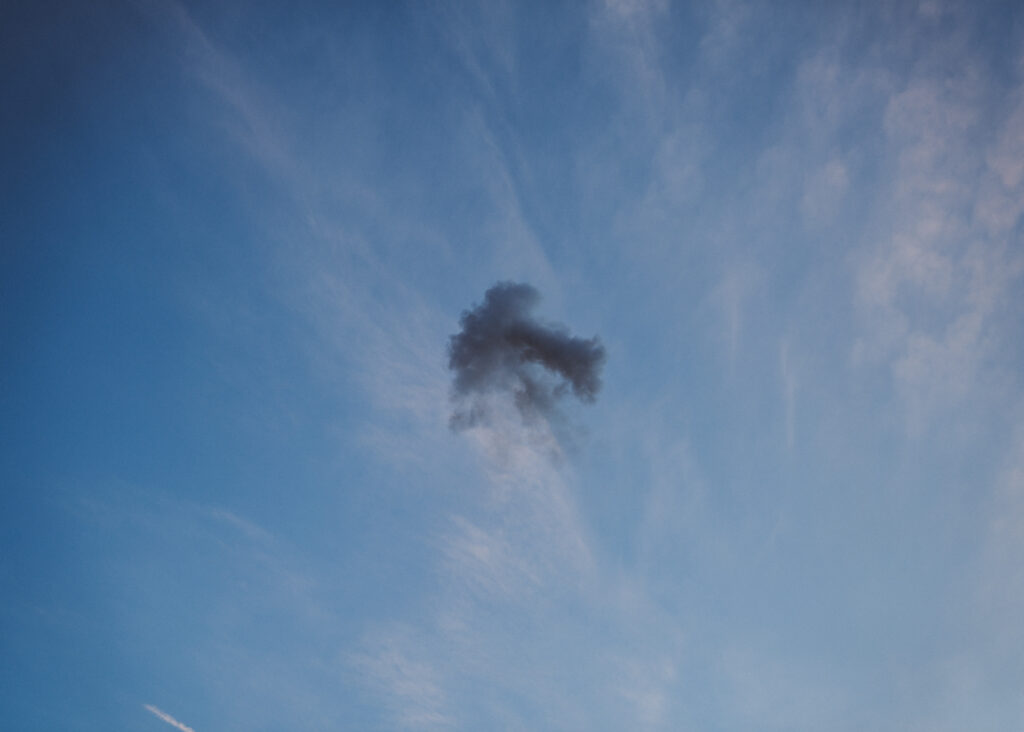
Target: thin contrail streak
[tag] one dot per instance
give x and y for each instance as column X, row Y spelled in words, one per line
column 167, row 718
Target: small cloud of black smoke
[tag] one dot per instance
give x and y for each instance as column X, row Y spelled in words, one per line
column 502, row 349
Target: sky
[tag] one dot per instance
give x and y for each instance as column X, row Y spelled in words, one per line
column 241, row 489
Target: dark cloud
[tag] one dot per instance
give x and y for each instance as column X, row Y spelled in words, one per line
column 502, row 349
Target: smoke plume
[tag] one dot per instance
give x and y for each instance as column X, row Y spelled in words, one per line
column 502, row 349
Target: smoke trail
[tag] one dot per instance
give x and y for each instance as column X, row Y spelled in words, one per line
column 502, row 349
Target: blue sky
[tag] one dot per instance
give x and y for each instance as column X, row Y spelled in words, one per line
column 236, row 239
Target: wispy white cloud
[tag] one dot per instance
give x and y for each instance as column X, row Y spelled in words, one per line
column 248, row 120
column 628, row 29
column 823, row 193
column 932, row 283
column 727, row 21
column 167, row 718
column 409, row 684
column 730, row 301
column 482, row 38
column 518, row 584
column 763, row 691
column 235, row 585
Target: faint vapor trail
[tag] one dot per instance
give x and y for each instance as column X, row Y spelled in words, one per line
column 167, row 718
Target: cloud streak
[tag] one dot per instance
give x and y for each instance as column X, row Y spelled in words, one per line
column 167, row 718
column 500, row 349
